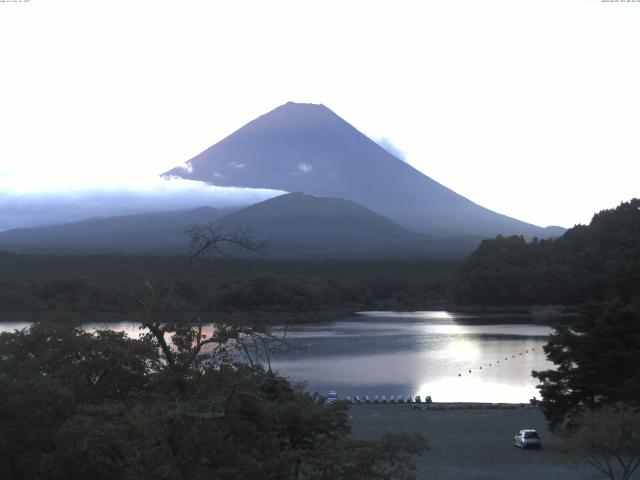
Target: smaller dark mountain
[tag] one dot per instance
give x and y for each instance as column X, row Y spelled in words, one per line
column 157, row 232
column 299, row 216
column 302, row 225
column 295, row 225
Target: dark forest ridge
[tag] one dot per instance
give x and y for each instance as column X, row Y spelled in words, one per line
column 308, row 148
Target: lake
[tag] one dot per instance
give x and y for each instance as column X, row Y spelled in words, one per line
column 451, row 357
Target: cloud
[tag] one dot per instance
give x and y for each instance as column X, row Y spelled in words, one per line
column 28, row 208
column 187, row 167
column 237, row 165
column 304, row 168
column 390, row 147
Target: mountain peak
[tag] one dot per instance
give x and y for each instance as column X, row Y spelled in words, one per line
column 306, row 147
column 303, row 105
column 297, row 115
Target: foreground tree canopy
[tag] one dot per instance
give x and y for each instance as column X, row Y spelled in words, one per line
column 597, row 362
column 103, row 406
column 178, row 403
column 609, row 439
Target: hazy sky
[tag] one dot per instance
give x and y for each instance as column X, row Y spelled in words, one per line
column 530, row 108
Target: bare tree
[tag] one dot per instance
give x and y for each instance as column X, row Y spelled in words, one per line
column 175, row 324
column 609, row 439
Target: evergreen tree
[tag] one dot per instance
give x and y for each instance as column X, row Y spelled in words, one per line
column 597, row 361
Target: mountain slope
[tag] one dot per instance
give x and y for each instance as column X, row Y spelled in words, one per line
column 159, row 232
column 308, row 148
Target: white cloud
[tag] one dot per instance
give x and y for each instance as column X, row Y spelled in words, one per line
column 237, row 165
column 390, row 147
column 304, row 168
column 28, row 208
column 187, row 167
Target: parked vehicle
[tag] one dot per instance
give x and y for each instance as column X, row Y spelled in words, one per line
column 332, row 398
column 527, row 439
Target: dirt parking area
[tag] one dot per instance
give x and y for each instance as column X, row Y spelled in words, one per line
column 473, row 444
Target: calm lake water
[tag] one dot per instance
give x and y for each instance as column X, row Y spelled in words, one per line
column 451, row 357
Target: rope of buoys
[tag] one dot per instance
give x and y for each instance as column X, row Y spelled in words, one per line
column 505, row 358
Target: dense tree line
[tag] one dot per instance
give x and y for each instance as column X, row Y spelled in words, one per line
column 93, row 286
column 587, row 263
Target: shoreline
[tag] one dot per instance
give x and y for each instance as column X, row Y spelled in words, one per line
column 449, row 405
column 538, row 314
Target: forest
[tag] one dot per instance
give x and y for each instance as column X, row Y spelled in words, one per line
column 587, row 263
column 94, row 287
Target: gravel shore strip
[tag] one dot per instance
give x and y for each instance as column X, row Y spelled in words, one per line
column 473, row 442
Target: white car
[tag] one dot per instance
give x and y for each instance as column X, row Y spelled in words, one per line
column 332, row 398
column 527, row 439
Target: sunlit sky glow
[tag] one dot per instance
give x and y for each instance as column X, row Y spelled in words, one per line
column 529, row 108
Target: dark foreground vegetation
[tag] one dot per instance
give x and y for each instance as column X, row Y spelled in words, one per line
column 76, row 405
column 178, row 403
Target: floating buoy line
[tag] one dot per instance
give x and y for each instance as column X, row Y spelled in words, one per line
column 520, row 354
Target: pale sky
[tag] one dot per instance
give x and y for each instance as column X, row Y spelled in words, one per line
column 530, row 108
